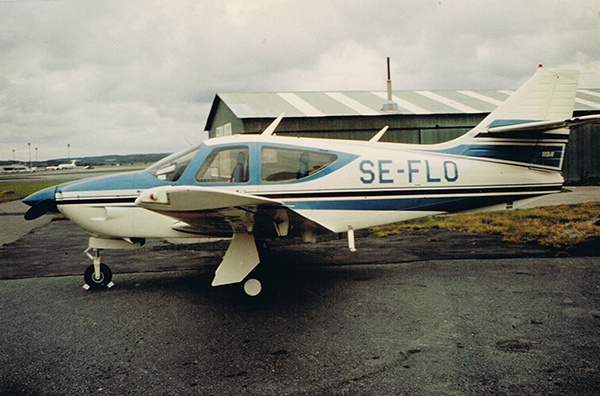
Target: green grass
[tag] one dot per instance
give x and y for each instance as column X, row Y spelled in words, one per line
column 14, row 191
column 557, row 226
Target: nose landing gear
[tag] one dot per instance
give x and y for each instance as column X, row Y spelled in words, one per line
column 98, row 275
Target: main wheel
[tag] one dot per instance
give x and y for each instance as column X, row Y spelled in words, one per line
column 102, row 282
column 252, row 287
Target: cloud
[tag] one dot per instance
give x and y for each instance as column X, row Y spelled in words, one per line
column 133, row 76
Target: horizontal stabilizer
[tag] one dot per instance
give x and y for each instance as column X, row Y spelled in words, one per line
column 541, row 126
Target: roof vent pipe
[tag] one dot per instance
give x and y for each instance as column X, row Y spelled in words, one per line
column 390, row 106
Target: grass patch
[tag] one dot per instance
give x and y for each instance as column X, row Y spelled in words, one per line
column 556, row 226
column 14, row 191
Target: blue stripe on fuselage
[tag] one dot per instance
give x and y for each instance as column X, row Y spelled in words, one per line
column 541, row 155
column 122, row 181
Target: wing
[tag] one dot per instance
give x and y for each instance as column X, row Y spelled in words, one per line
column 177, row 201
column 213, row 211
column 205, row 210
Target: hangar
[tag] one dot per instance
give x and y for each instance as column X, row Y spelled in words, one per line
column 422, row 117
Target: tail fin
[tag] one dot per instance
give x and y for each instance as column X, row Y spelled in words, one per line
column 548, row 95
column 530, row 127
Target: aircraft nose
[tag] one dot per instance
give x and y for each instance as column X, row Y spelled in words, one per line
column 41, row 202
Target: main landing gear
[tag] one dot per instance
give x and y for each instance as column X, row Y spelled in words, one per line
column 252, row 287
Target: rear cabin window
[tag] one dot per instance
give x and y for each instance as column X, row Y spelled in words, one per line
column 225, row 165
column 283, row 164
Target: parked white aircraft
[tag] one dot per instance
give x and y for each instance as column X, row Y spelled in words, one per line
column 70, row 165
column 266, row 186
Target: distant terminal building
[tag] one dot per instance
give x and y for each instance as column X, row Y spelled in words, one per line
column 422, row 117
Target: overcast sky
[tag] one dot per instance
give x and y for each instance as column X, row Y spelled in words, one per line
column 139, row 76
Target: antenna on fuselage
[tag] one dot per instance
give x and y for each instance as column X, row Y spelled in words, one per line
column 376, row 138
column 271, row 128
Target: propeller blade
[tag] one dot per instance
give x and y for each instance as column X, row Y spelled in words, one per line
column 40, row 209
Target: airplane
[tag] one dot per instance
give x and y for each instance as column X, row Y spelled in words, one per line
column 252, row 188
column 70, row 165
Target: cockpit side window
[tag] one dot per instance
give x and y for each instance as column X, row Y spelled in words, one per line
column 279, row 164
column 171, row 167
column 225, row 165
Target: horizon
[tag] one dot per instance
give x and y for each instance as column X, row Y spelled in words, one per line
column 106, row 157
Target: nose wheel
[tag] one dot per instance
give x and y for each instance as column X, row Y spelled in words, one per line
column 98, row 275
column 101, row 281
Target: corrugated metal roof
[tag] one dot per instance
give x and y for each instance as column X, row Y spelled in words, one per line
column 352, row 103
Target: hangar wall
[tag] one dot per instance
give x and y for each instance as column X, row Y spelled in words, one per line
column 582, row 158
column 403, row 129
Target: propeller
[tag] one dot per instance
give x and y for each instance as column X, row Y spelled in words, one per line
column 40, row 209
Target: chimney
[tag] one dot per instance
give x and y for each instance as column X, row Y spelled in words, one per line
column 390, row 106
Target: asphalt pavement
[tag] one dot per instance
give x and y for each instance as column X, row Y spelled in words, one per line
column 427, row 313
column 442, row 327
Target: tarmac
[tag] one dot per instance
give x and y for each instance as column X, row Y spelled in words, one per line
column 427, row 313
column 12, row 223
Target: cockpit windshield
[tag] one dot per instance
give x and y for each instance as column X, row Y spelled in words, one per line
column 171, row 167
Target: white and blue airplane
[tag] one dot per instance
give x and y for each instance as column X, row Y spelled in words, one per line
column 251, row 187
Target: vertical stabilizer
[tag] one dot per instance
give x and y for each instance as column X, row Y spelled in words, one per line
column 530, row 128
column 548, row 95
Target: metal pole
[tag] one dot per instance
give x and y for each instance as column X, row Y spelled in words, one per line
column 389, row 81
column 390, row 106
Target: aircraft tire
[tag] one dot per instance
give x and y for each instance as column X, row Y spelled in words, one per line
column 105, row 277
column 252, row 287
